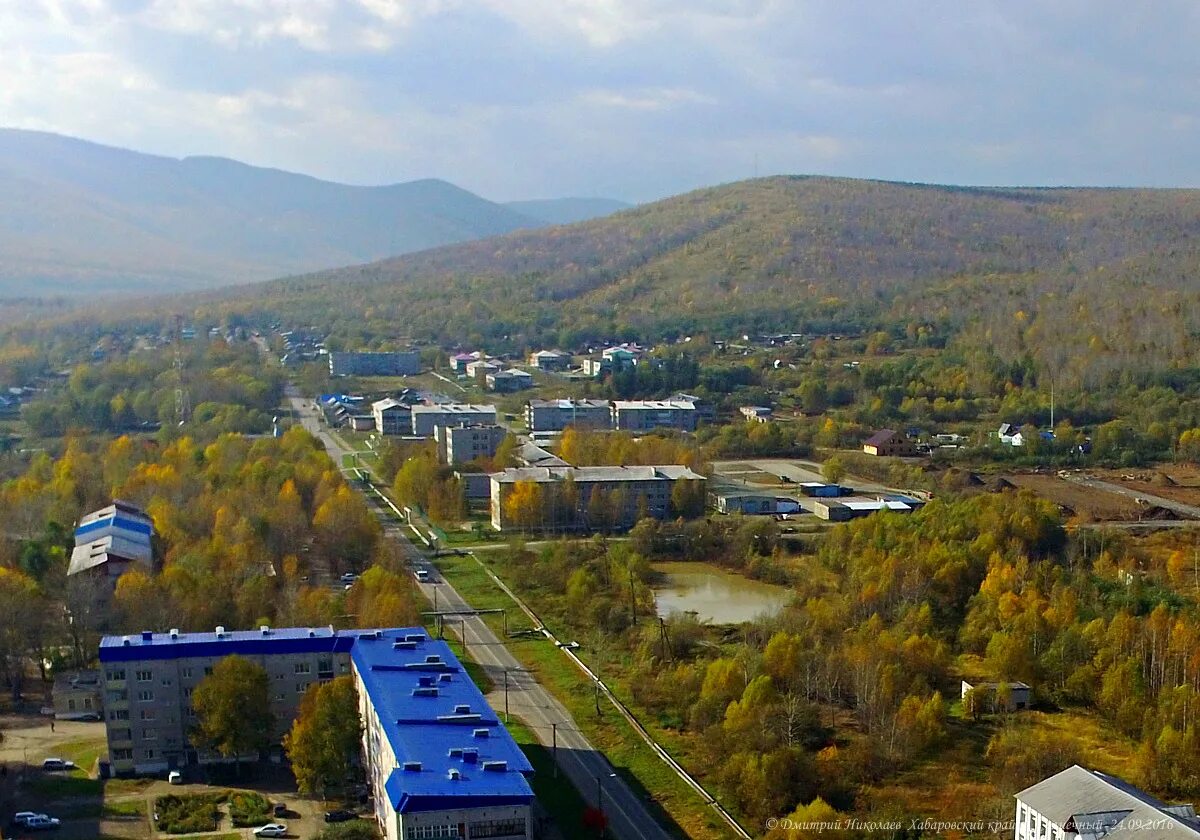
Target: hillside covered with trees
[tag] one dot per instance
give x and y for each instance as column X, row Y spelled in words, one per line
column 1092, row 280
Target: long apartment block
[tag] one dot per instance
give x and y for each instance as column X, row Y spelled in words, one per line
column 438, row 760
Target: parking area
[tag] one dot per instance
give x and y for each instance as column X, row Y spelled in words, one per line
column 90, row 808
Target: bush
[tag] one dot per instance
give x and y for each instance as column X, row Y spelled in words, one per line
column 355, row 830
column 249, row 809
column 188, row 814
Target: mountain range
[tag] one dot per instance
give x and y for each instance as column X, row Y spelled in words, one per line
column 1104, row 275
column 77, row 216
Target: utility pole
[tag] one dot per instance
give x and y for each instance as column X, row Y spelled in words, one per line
column 183, row 400
column 554, row 746
column 506, row 695
column 632, row 597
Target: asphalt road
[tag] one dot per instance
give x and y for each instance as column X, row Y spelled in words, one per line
column 586, row 767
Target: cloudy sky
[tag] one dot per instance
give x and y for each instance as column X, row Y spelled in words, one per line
column 634, row 99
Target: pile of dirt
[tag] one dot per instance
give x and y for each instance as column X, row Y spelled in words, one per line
column 998, row 484
column 1157, row 513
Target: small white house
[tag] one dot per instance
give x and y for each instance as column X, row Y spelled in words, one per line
column 1017, row 692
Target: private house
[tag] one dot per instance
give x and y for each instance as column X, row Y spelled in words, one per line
column 392, row 417
column 1006, row 432
column 890, row 444
column 1019, row 439
column 508, row 381
column 482, row 367
column 463, row 444
column 78, row 695
column 565, row 495
column 362, row 422
column 1016, row 694
column 459, row 361
column 549, row 360
column 556, row 415
column 438, row 761
column 1082, row 804
column 644, row 415
column 403, row 363
column 112, row 540
column 756, row 413
column 425, row 418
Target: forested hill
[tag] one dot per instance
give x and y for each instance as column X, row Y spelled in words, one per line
column 1109, row 270
column 77, row 216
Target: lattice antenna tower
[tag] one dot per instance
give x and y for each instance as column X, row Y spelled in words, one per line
column 183, row 399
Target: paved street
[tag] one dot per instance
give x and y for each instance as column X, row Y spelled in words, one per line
column 588, row 770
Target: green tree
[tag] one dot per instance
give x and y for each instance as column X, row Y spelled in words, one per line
column 325, row 737
column 233, row 712
column 833, row 470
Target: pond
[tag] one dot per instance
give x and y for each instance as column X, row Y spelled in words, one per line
column 714, row 594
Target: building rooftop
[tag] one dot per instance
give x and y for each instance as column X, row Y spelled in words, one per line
column 121, row 529
column 457, row 408
column 390, row 402
column 569, row 405
column 662, row 472
column 879, row 438
column 221, row 642
column 438, row 724
column 653, row 405
column 1096, row 805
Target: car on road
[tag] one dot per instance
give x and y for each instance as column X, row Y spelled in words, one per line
column 56, row 764
column 22, row 817
column 348, row 577
column 422, row 575
column 340, row 815
column 41, row 822
column 271, row 830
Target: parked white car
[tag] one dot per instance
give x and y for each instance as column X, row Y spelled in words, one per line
column 174, row 778
column 22, row 817
column 54, row 764
column 271, row 830
column 40, row 822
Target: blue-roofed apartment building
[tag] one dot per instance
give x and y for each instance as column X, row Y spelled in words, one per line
column 111, row 540
column 438, row 761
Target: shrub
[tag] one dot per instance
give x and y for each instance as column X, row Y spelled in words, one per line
column 249, row 809
column 356, row 830
column 188, row 814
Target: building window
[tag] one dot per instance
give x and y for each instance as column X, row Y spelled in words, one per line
column 148, row 714
column 301, row 688
column 145, row 676
column 119, row 714
column 279, row 697
column 186, row 673
column 115, row 676
column 187, row 694
column 148, row 754
column 150, row 735
column 145, row 696
column 122, row 755
column 302, row 668
column 208, row 670
column 498, row 828
column 166, row 681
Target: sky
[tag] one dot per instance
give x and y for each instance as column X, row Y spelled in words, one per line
column 629, row 99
